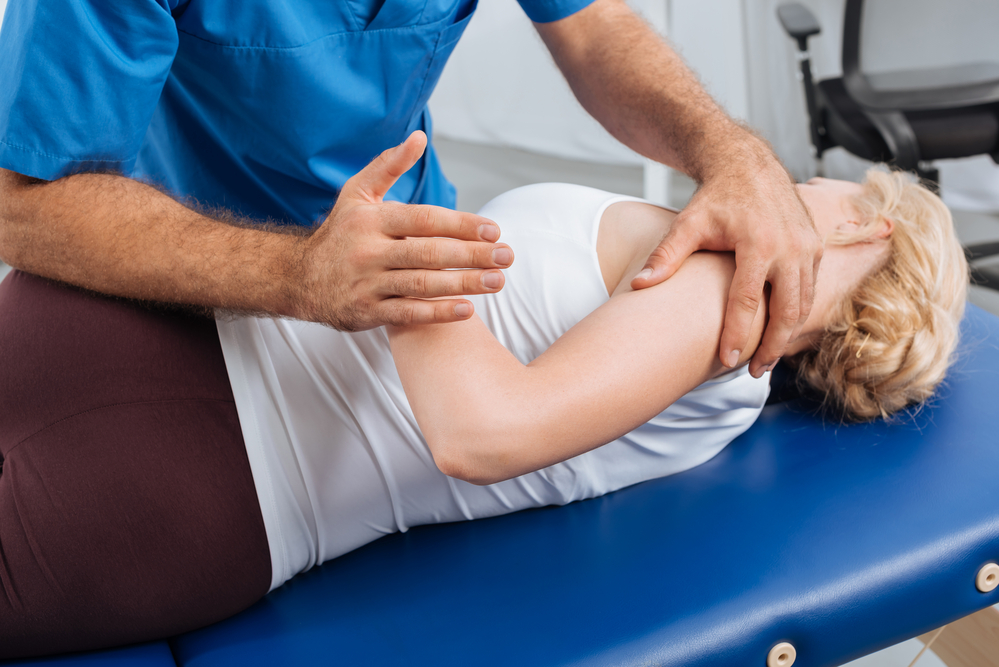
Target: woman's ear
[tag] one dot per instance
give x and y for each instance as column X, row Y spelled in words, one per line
column 885, row 227
column 883, row 230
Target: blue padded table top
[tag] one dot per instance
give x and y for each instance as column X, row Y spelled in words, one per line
column 838, row 539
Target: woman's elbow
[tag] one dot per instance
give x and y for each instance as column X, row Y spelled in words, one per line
column 459, row 469
column 477, row 459
column 476, row 443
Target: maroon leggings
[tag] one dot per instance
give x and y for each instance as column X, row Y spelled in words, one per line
column 127, row 506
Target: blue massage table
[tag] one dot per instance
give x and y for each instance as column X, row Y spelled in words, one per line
column 839, row 540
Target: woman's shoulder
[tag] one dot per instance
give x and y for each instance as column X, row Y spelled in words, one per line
column 543, row 193
column 556, row 207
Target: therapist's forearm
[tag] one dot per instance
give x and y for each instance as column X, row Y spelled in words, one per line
column 631, row 81
column 118, row 236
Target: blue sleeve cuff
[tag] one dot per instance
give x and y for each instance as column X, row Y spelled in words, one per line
column 546, row 11
column 80, row 81
column 53, row 167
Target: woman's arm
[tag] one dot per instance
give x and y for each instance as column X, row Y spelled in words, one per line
column 487, row 417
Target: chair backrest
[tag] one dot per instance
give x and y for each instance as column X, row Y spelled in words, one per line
column 890, row 46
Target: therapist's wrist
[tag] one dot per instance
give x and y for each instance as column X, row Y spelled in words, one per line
column 250, row 268
column 297, row 298
column 277, row 268
column 738, row 155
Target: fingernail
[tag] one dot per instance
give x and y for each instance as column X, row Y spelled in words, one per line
column 463, row 310
column 492, row 280
column 644, row 274
column 733, row 358
column 503, row 256
column 489, row 232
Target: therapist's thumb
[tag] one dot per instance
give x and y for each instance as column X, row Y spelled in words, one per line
column 680, row 242
column 373, row 182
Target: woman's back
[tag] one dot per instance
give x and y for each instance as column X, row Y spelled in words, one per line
column 337, row 456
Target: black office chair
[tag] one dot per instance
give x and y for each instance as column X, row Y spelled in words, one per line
column 906, row 117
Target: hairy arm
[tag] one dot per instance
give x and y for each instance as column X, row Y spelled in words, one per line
column 630, row 80
column 118, row 236
column 487, row 417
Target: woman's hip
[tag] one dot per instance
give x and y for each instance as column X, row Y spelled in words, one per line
column 127, row 506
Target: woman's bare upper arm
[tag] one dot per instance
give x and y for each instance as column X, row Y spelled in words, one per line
column 641, row 351
column 491, row 418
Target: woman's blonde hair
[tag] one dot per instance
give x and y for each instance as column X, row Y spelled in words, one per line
column 895, row 336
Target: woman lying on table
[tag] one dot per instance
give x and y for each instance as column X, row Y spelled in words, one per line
column 161, row 472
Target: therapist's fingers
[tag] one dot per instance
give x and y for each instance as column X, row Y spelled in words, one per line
column 791, row 299
column 371, row 184
column 404, row 312
column 425, row 220
column 784, row 317
column 377, row 178
column 684, row 237
column 372, row 262
column 441, row 253
column 806, row 280
column 425, row 284
column 744, row 298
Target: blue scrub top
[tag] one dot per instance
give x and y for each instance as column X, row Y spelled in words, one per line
column 264, row 107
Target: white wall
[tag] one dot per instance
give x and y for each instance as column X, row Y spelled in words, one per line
column 710, row 35
column 501, row 86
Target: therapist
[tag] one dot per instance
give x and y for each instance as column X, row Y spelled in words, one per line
column 142, row 141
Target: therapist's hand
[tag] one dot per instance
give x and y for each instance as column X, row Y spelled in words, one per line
column 640, row 89
column 373, row 262
column 753, row 209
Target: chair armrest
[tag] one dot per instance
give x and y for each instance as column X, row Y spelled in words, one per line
column 895, row 129
column 798, row 22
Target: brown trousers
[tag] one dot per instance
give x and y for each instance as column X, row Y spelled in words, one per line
column 127, row 506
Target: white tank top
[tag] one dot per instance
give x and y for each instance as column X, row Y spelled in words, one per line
column 338, row 459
